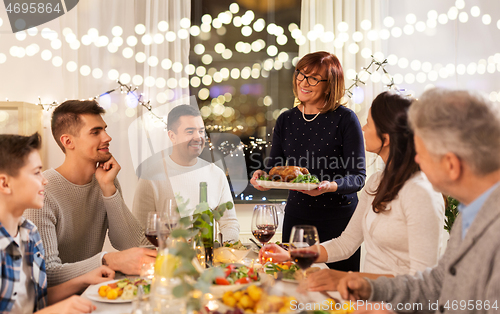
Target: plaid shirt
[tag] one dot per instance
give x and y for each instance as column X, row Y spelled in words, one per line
column 11, row 268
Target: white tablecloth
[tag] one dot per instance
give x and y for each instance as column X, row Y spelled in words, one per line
column 289, row 288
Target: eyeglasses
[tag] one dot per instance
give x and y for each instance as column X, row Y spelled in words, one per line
column 310, row 80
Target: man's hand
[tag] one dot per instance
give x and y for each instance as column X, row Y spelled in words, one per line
column 277, row 253
column 72, row 305
column 354, row 287
column 256, row 175
column 130, row 261
column 106, row 174
column 324, row 187
column 98, row 275
column 324, row 280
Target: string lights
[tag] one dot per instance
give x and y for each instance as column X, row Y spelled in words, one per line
column 124, row 89
column 258, row 144
column 248, row 24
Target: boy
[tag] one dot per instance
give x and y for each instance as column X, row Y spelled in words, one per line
column 83, row 201
column 23, row 280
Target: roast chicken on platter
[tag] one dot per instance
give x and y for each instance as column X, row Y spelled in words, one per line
column 286, row 173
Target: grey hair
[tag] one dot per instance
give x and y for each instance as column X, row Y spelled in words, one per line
column 462, row 122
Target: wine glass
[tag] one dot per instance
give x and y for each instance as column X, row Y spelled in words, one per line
column 167, row 219
column 264, row 222
column 304, row 246
column 151, row 233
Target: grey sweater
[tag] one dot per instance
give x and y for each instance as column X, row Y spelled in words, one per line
column 466, row 279
column 73, row 224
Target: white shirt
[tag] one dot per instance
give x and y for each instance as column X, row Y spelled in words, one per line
column 25, row 299
column 404, row 238
column 185, row 181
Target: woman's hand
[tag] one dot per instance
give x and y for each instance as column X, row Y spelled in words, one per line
column 324, row 280
column 324, row 187
column 277, row 253
column 256, row 175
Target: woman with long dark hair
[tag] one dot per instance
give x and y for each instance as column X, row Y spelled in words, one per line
column 399, row 217
column 324, row 136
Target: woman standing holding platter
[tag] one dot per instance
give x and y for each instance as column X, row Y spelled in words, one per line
column 325, row 137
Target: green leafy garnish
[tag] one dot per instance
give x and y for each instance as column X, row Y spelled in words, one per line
column 287, row 273
column 306, row 178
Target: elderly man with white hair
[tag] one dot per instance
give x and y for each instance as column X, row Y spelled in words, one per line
column 457, row 139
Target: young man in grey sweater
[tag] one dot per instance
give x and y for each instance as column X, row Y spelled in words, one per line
column 457, row 139
column 84, row 201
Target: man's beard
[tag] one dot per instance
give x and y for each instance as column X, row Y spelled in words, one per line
column 103, row 158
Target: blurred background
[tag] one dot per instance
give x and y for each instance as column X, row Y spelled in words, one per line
column 236, row 59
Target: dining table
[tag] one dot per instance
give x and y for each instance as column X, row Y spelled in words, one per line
column 289, row 288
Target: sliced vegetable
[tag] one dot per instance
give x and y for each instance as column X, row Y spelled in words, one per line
column 233, row 274
column 243, row 280
column 221, row 281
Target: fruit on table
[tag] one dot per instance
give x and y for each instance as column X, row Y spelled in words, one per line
column 112, row 294
column 254, row 300
column 254, row 292
column 103, row 291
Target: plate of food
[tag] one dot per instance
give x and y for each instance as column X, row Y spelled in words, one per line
column 287, row 271
column 289, row 178
column 117, row 291
column 235, row 277
column 230, row 253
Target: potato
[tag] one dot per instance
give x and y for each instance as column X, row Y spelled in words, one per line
column 254, row 292
column 112, row 294
column 103, row 291
column 237, row 295
column 246, row 302
column 229, row 300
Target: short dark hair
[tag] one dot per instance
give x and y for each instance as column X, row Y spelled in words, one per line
column 14, row 149
column 179, row 111
column 66, row 117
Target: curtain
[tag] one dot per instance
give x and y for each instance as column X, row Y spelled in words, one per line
column 81, row 54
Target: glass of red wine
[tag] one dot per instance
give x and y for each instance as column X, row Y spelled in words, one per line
column 304, row 246
column 151, row 233
column 264, row 222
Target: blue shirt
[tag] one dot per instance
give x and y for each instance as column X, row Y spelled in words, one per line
column 469, row 212
column 11, row 265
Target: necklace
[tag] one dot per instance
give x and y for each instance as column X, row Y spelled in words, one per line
column 304, row 116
